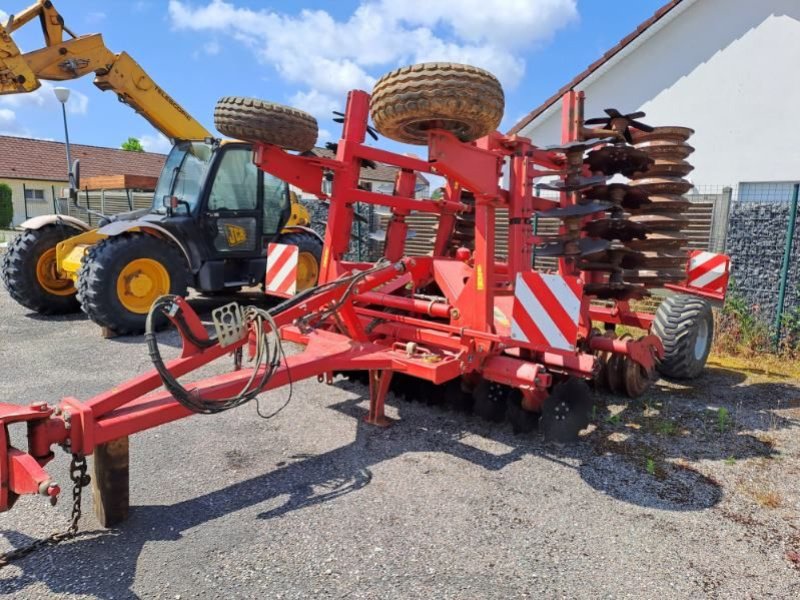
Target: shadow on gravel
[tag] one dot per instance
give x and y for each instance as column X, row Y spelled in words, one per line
column 637, row 459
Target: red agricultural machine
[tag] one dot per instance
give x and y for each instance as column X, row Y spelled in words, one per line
column 459, row 324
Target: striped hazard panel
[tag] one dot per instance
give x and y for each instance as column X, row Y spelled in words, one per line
column 546, row 310
column 708, row 271
column 281, row 277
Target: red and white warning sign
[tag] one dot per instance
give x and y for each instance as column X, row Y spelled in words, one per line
column 708, row 271
column 281, row 269
column 546, row 310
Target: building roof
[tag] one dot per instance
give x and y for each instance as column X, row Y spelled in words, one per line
column 26, row 158
column 381, row 172
column 643, row 28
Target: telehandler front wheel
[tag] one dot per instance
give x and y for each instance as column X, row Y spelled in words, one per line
column 308, row 259
column 30, row 275
column 122, row 276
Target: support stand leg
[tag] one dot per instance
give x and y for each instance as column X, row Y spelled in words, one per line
column 110, row 482
column 378, row 388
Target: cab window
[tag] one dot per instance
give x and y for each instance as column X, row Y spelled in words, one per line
column 276, row 200
column 236, row 182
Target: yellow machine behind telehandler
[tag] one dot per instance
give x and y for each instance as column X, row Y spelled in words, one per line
column 213, row 213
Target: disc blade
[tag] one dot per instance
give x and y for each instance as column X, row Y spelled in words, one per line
column 662, row 185
column 575, row 210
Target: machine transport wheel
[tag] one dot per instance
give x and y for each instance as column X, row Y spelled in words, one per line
column 30, row 275
column 566, row 411
column 521, row 419
column 308, row 258
column 110, row 482
column 464, row 100
column 122, row 276
column 490, row 401
column 255, row 120
column 685, row 325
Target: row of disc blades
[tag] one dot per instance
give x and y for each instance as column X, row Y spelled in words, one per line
column 630, row 235
column 561, row 417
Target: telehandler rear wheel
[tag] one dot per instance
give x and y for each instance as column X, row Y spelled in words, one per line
column 308, row 259
column 122, row 276
column 254, row 120
column 464, row 100
column 30, row 275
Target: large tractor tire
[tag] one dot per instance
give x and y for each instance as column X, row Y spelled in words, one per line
column 122, row 276
column 685, row 325
column 258, row 121
column 308, row 258
column 464, row 100
column 30, row 275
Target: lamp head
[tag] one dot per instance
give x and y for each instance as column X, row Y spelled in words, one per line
column 62, row 94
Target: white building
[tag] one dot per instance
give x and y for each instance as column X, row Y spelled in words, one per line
column 726, row 68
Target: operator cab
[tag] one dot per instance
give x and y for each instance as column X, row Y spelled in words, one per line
column 226, row 210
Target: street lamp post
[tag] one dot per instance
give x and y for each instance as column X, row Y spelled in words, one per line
column 62, row 94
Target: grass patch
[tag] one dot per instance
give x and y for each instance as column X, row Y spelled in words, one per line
column 767, row 365
column 767, row 498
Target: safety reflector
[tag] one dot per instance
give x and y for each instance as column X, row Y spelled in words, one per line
column 708, row 271
column 281, row 277
column 546, row 310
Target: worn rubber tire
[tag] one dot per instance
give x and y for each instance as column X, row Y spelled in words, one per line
column 255, row 120
column 19, row 270
column 464, row 100
column 678, row 322
column 97, row 279
column 306, row 243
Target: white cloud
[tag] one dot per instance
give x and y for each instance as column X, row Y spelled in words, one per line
column 43, row 97
column 9, row 124
column 3, row 17
column 326, row 58
column 155, row 143
column 212, row 48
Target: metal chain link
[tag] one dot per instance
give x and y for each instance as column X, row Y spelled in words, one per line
column 77, row 473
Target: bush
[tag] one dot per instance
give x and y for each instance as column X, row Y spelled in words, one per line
column 741, row 329
column 6, row 207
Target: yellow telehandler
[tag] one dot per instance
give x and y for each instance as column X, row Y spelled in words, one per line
column 213, row 213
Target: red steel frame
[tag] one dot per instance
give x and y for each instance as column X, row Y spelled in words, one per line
column 437, row 340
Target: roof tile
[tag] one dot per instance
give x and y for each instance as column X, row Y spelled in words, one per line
column 26, row 158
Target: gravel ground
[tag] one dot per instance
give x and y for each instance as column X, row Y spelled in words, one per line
column 667, row 497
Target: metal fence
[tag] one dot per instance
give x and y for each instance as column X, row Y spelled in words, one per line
column 760, row 230
column 755, row 223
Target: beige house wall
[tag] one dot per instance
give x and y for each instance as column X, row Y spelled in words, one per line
column 35, row 207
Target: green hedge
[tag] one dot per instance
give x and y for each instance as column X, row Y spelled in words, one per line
column 6, row 207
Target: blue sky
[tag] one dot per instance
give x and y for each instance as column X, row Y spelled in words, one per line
column 309, row 53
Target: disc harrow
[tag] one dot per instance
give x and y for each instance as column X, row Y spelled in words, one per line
column 461, row 327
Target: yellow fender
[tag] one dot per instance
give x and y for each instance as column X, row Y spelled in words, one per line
column 70, row 252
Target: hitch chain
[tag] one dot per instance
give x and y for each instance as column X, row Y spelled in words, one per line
column 77, row 473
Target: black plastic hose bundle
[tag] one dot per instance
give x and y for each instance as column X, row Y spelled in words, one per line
column 268, row 355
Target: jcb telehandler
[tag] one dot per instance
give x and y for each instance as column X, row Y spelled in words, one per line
column 213, row 213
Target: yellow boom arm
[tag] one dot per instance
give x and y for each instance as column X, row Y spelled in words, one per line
column 63, row 59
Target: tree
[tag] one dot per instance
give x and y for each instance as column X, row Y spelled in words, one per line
column 6, row 207
column 132, row 145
